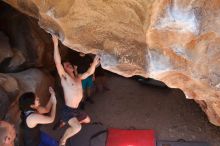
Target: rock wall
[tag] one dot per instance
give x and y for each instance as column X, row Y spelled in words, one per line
column 175, row 41
column 23, row 44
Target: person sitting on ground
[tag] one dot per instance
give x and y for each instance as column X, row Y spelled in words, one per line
column 7, row 134
column 71, row 82
column 32, row 117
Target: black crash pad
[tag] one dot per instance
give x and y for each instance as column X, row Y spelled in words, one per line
column 90, row 135
column 184, row 143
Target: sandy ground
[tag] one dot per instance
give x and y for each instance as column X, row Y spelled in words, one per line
column 130, row 104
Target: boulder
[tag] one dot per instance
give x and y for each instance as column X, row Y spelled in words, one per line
column 5, row 48
column 174, row 41
column 10, row 86
column 4, row 103
column 27, row 44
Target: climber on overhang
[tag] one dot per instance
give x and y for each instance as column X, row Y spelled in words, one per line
column 71, row 82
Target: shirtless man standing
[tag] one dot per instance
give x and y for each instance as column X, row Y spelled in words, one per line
column 71, row 82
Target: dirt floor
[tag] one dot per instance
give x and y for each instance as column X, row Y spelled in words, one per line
column 130, row 104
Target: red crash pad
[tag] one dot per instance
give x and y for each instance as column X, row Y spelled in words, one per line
column 117, row 137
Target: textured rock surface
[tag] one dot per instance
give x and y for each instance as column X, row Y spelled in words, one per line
column 23, row 44
column 4, row 103
column 175, row 41
column 5, row 51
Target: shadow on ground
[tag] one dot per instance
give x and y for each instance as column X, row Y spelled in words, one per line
column 130, row 104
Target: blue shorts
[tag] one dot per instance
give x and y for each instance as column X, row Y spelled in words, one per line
column 46, row 140
column 87, row 83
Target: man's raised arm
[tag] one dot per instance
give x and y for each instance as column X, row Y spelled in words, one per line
column 91, row 69
column 57, row 57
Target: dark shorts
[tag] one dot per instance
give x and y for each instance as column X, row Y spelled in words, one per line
column 87, row 83
column 67, row 113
